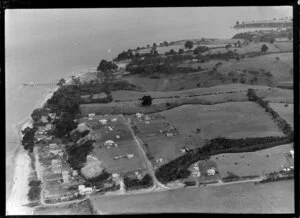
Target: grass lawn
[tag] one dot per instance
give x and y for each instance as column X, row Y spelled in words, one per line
column 257, row 163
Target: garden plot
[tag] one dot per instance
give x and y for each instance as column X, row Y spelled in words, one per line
column 258, row 163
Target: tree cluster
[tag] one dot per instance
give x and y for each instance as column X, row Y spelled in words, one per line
column 106, row 66
column 77, row 154
column 189, row 44
column 28, row 138
column 133, row 183
column 200, row 49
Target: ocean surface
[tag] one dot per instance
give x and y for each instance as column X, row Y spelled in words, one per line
column 46, row 45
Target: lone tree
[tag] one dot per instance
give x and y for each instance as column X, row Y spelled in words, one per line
column 189, row 44
column 264, row 48
column 147, row 100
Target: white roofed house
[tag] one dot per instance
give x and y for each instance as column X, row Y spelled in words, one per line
column 109, row 143
column 99, row 97
column 103, row 121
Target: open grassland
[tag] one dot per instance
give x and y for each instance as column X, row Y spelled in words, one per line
column 258, row 163
column 231, row 120
column 276, row 197
column 82, row 208
column 285, row 111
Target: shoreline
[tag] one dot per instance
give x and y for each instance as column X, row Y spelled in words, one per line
column 19, row 186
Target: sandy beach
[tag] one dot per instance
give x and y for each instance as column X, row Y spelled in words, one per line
column 18, row 197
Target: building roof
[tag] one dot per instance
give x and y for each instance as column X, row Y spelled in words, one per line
column 101, row 95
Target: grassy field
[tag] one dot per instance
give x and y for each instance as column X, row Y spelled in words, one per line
column 82, row 208
column 257, row 163
column 276, row 197
column 232, row 120
column 285, row 111
column 126, row 145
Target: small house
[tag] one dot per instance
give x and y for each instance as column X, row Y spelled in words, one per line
column 103, row 121
column 74, row 173
column 114, row 119
column 117, row 136
column 99, row 96
column 53, row 145
column 55, row 151
column 52, row 115
column 147, row 117
column 85, row 98
column 49, row 126
column 65, row 175
column 211, row 172
column 139, row 115
column 109, row 143
column 169, row 134
column 91, row 115
column 129, row 155
column 110, row 128
column 292, row 153
column 115, row 175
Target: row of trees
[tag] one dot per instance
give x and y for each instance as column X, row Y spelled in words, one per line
column 133, row 183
